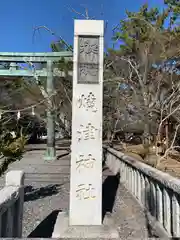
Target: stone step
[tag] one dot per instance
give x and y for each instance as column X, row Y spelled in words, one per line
column 34, row 171
column 46, row 181
column 39, row 159
column 41, row 169
column 48, row 178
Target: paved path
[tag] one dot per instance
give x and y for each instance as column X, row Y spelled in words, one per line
column 47, row 192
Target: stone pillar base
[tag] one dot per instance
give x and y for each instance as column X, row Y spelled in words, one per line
column 62, row 229
column 50, row 154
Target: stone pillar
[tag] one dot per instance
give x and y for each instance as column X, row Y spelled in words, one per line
column 50, row 151
column 85, row 215
column 86, row 155
column 15, row 216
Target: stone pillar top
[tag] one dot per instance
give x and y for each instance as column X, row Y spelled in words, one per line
column 89, row 27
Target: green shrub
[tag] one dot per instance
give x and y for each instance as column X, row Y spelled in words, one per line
column 11, row 149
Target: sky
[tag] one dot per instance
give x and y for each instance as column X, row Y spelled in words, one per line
column 19, row 18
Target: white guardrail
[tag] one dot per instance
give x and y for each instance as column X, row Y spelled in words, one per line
column 156, row 191
column 11, row 205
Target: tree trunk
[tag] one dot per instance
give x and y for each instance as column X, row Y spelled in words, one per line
column 146, row 134
column 109, row 135
column 167, row 134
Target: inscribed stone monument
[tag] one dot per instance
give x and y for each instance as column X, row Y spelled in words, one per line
column 84, row 220
column 86, row 155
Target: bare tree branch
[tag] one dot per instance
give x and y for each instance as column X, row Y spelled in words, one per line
column 54, row 34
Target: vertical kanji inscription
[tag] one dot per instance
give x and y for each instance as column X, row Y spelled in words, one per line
column 88, row 59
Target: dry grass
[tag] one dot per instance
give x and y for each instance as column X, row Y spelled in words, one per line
column 169, row 165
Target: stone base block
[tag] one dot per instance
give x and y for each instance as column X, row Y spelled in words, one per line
column 62, row 229
column 49, row 159
column 50, row 154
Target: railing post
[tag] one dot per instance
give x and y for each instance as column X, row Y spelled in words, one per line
column 139, row 186
column 176, row 216
column 143, row 189
column 167, row 211
column 135, row 183
column 153, row 202
column 124, row 171
column 0, row 226
column 157, row 192
column 147, row 188
column 15, row 213
column 130, row 179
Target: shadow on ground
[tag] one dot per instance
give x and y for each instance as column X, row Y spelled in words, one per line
column 62, row 155
column 32, row 194
column 109, row 190
column 46, row 227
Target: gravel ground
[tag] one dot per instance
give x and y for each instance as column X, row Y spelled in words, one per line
column 127, row 214
column 41, row 208
column 43, row 201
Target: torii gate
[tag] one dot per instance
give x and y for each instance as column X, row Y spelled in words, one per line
column 48, row 58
